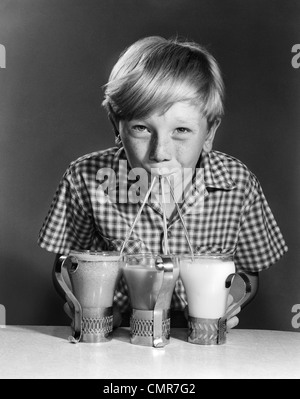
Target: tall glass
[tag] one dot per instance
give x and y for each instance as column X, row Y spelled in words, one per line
column 151, row 280
column 93, row 276
column 207, row 279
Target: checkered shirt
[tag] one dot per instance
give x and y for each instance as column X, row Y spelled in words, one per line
column 225, row 211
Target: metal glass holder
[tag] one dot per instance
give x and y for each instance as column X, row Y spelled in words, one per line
column 153, row 327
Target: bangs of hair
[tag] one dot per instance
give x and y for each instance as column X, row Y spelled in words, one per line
column 160, row 74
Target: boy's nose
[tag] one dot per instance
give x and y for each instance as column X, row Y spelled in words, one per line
column 160, row 150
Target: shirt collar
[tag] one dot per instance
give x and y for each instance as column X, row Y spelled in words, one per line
column 216, row 174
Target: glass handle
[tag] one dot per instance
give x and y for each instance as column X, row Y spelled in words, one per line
column 245, row 295
column 68, row 263
column 166, row 266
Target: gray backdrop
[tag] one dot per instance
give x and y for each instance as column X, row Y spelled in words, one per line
column 58, row 55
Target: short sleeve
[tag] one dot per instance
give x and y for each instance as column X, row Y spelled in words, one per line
column 69, row 223
column 260, row 242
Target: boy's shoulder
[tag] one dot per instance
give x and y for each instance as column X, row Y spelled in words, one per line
column 229, row 160
column 98, row 159
column 238, row 170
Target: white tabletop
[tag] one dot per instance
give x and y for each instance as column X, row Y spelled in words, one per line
column 35, row 352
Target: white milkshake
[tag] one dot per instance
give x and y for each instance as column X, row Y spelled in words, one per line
column 204, row 279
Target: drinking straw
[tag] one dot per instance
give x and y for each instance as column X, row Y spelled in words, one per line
column 166, row 242
column 166, row 246
column 137, row 216
column 180, row 216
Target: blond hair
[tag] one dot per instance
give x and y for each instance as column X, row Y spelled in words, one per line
column 154, row 73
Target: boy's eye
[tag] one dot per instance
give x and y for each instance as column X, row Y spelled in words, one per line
column 139, row 128
column 182, row 130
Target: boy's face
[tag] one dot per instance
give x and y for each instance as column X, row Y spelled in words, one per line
column 172, row 141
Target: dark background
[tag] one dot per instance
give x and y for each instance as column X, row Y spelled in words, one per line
column 59, row 55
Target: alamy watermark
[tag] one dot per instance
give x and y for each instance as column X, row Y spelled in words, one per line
column 2, row 56
column 2, row 316
column 123, row 186
column 296, row 57
column 296, row 317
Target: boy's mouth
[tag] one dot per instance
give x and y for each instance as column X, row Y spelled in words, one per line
column 165, row 171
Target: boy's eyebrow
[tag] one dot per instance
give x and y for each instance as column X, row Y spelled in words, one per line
column 186, row 120
column 183, row 120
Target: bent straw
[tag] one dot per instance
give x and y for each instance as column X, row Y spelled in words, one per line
column 137, row 216
column 166, row 242
column 180, row 215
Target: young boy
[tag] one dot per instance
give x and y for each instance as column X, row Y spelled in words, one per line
column 165, row 101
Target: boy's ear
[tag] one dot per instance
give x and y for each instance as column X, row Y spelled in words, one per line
column 207, row 147
column 115, row 124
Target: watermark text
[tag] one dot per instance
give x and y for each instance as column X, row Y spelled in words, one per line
column 2, row 316
column 296, row 57
column 132, row 186
column 296, row 317
column 2, row 56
